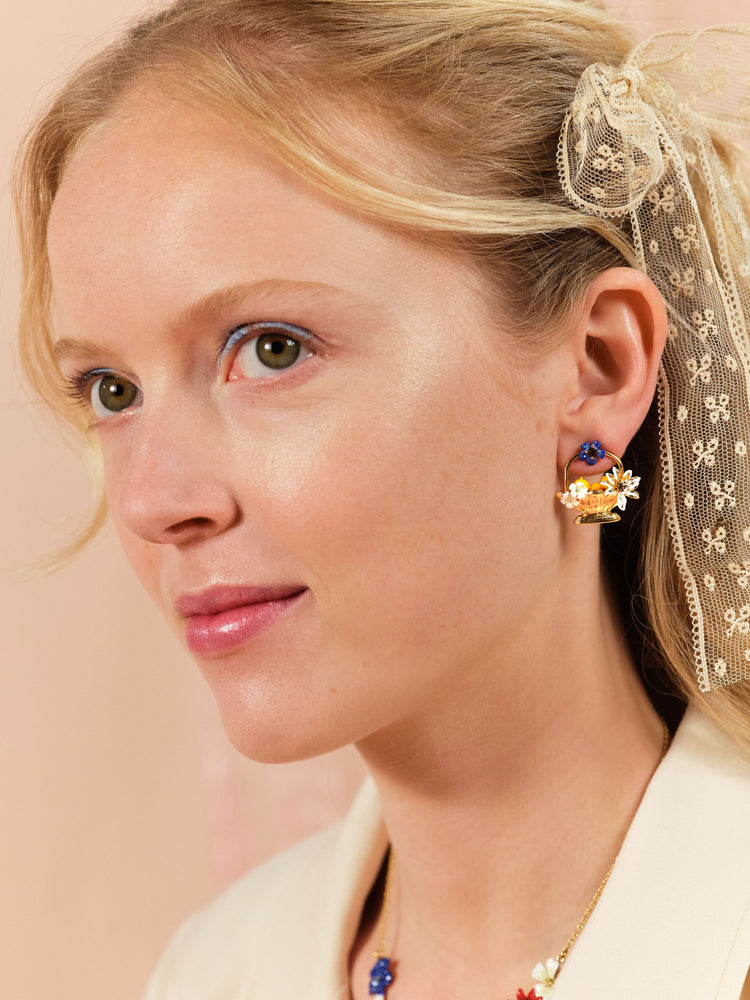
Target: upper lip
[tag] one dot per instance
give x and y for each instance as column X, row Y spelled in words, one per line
column 224, row 597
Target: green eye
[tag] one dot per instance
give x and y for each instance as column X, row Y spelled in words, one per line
column 276, row 351
column 112, row 394
column 272, row 351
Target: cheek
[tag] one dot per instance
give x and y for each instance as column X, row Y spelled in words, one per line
column 145, row 559
column 404, row 510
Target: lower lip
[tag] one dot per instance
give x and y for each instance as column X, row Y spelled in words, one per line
column 218, row 633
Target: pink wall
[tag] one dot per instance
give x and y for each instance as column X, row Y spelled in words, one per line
column 124, row 806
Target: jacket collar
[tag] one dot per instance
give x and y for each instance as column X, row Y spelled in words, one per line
column 674, row 918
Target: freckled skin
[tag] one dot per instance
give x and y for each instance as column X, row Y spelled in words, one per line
column 384, row 476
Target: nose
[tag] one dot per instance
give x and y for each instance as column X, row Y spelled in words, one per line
column 173, row 486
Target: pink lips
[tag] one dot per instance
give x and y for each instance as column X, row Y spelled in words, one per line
column 225, row 617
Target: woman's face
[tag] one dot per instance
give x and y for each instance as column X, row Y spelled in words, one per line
column 318, row 450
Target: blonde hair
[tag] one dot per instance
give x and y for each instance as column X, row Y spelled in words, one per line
column 474, row 90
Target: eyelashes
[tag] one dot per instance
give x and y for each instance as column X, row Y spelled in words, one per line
column 266, row 349
column 259, row 350
column 251, row 331
column 78, row 385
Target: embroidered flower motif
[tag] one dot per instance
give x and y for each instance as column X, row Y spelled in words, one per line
column 687, row 238
column 683, row 58
column 545, row 974
column 641, row 173
column 608, row 159
column 717, row 408
column 672, row 332
column 591, row 452
column 720, row 667
column 704, row 322
column 731, row 363
column 709, row 582
column 700, row 370
column 684, row 285
column 663, row 202
column 653, row 247
column 741, row 572
column 715, row 80
column 724, row 495
column 740, row 449
column 715, row 540
column 623, row 484
column 691, row 158
column 738, row 621
column 689, row 501
column 705, row 453
column 746, row 534
column 682, row 414
column 598, row 193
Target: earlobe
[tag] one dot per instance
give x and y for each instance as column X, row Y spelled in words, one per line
column 617, row 339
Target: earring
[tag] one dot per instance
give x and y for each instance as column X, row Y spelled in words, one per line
column 596, row 501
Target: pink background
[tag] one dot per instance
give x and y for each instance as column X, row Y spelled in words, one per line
column 124, row 807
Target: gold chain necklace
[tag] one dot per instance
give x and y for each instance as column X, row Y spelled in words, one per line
column 545, row 973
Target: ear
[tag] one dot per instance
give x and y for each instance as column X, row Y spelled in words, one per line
column 617, row 340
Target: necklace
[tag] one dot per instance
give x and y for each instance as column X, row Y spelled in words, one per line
column 544, row 973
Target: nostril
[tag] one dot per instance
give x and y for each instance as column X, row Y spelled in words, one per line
column 166, row 509
column 189, row 524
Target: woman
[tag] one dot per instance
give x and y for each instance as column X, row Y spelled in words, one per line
column 348, row 293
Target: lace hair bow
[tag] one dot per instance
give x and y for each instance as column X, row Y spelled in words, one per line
column 636, row 147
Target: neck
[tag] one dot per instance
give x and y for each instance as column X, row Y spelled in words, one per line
column 506, row 803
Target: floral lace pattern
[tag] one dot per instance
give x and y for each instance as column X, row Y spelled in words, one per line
column 636, row 148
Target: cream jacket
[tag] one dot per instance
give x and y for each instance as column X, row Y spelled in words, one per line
column 673, row 921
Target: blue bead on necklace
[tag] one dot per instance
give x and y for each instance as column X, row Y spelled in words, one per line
column 381, row 978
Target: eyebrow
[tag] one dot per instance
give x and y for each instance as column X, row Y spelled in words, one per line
column 69, row 349
column 219, row 301
column 222, row 300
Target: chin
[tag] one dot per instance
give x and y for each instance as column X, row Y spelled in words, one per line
column 278, row 737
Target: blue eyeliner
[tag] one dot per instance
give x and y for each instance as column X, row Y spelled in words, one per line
column 248, row 331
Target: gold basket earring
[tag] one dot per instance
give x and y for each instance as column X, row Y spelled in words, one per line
column 596, row 501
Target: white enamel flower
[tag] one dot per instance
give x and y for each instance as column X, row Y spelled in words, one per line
column 544, row 974
column 623, row 484
column 579, row 488
column 575, row 492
